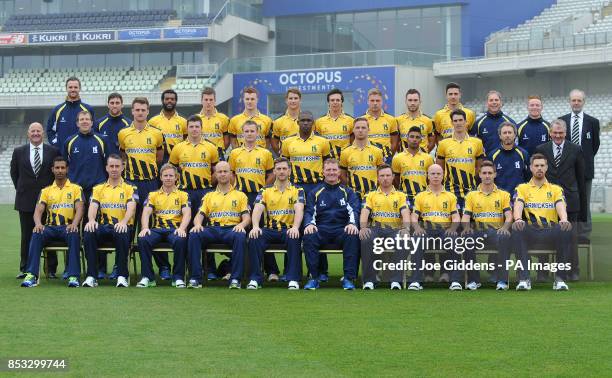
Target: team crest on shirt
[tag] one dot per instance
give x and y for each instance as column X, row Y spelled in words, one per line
column 291, row 201
column 176, row 202
column 121, row 196
column 395, row 204
column 69, row 195
column 203, row 155
column 178, row 128
column 470, row 150
column 497, row 205
column 549, row 195
column 344, row 128
column 445, row 205
column 234, row 203
column 258, row 161
column 94, row 149
column 217, row 126
column 386, row 127
column 422, row 163
column 314, row 148
column 370, row 158
column 149, row 141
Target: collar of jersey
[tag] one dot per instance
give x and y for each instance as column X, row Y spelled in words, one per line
column 275, row 186
column 161, row 190
column 493, row 191
column 364, row 147
column 249, row 117
column 68, row 183
column 77, row 101
column 342, row 115
column 419, row 151
column 175, row 115
column 459, row 106
column 204, row 114
column 430, row 191
column 467, row 136
column 143, row 129
column 382, row 114
column 288, row 116
column 228, row 192
column 379, row 190
column 532, row 184
column 410, row 117
column 108, row 184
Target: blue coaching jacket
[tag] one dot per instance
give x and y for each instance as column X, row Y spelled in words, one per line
column 109, row 127
column 62, row 121
column 331, row 206
column 512, row 167
column 486, row 127
column 86, row 155
column 532, row 133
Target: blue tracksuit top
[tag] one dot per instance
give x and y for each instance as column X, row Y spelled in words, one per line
column 331, row 206
column 512, row 168
column 62, row 121
column 109, row 127
column 86, row 155
column 532, row 133
column 486, row 127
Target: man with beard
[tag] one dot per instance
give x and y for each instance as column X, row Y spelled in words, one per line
column 171, row 124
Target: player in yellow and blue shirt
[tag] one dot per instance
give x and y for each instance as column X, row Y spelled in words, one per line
column 287, row 125
column 282, row 205
column 111, row 219
column 214, row 123
column 250, row 112
column 443, row 124
column 410, row 166
column 171, row 213
column 335, row 126
column 226, row 213
column 63, row 203
column 488, row 215
column 169, row 122
column 383, row 127
column 414, row 117
column 540, row 216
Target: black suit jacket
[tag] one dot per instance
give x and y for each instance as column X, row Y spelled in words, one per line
column 27, row 185
column 589, row 141
column 569, row 175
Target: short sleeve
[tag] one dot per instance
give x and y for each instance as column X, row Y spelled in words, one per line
column 405, row 202
column 301, row 195
column 261, row 197
column 285, row 148
column 204, row 205
column 344, row 160
column 418, row 204
column 185, row 200
column 160, row 140
column 428, row 162
column 378, row 160
column 350, row 125
column 275, row 129
column 396, row 165
column 121, row 139
column 558, row 195
column 506, row 201
column 44, row 196
column 232, row 159
column 244, row 204
column 133, row 194
column 479, row 149
column 325, row 148
column 317, row 126
column 174, row 156
column 442, row 149
column 469, row 205
column 393, row 125
column 269, row 161
column 78, row 194
column 369, row 202
column 520, row 195
column 214, row 154
column 453, row 203
column 183, row 124
column 437, row 123
column 150, row 202
column 95, row 194
column 231, row 129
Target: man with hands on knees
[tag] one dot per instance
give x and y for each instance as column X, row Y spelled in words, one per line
column 171, row 213
column 437, row 209
column 111, row 218
column 387, row 211
column 227, row 213
column 283, row 204
column 330, row 217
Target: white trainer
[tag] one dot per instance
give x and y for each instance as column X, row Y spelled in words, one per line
column 472, row 286
column 415, row 286
column 122, row 282
column 89, row 282
column 455, row 286
column 501, row 285
column 253, row 285
column 396, row 286
column 293, row 285
column 560, row 286
column 179, row 284
column 368, row 285
column 523, row 285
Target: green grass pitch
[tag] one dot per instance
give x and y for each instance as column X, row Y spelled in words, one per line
column 215, row 331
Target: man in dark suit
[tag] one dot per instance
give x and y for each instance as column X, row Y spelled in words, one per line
column 30, row 172
column 567, row 169
column 583, row 130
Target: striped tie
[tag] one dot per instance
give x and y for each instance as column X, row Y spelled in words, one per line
column 576, row 130
column 37, row 162
column 558, row 156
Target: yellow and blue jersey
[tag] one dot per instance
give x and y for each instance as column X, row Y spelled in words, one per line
column 214, row 128
column 336, row 130
column 460, row 163
column 285, row 127
column 412, row 171
column 174, row 129
column 60, row 202
column 250, row 167
column 381, row 129
column 386, row 209
column 263, row 121
column 540, row 203
column 280, row 205
column 444, row 125
column 487, row 210
column 360, row 164
column 435, row 210
column 195, row 163
column 141, row 150
column 224, row 209
column 306, row 158
column 405, row 122
column 113, row 200
column 167, row 207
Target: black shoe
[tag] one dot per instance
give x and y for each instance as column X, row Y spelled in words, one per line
column 21, row 276
column 52, row 276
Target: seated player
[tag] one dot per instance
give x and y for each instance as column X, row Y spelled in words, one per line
column 171, row 213
column 283, row 205
column 63, row 202
column 111, row 218
column 489, row 208
column 540, row 217
column 331, row 217
column 437, row 209
column 227, row 213
column 384, row 211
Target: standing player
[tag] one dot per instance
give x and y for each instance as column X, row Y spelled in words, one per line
column 63, row 203
column 359, row 161
column 387, row 211
column 489, row 208
column 460, row 155
column 227, row 214
column 110, row 125
column 511, row 161
column 251, row 113
column 287, row 126
column 171, row 124
column 410, row 166
column 214, row 124
column 62, row 120
column 283, row 205
column 436, row 209
column 540, row 216
column 487, row 127
column 533, row 130
column 383, row 126
column 414, row 117
column 442, row 121
column 111, row 218
column 335, row 126
column 171, row 214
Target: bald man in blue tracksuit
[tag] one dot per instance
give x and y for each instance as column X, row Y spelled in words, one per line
column 331, row 218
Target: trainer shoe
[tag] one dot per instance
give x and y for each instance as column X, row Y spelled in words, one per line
column 311, row 285
column 444, row 277
column 234, row 284
column 212, row 276
column 164, row 273
column 455, row 286
column 323, row 277
column 348, row 284
column 396, row 286
column 90, row 282
column 194, row 284
column 253, row 285
column 560, row 286
column 523, row 285
column 293, row 285
column 101, row 274
column 179, row 284
column 501, row 285
column 30, row 280
column 114, row 274
column 273, row 277
column 226, row 277
column 73, row 282
column 368, row 285
column 145, row 282
column 122, row 282
column 472, row 286
column 416, row 286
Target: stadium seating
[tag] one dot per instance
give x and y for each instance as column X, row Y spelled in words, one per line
column 88, row 20
column 191, row 84
column 197, row 19
column 9, row 139
column 93, row 79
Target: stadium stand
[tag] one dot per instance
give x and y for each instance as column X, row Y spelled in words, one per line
column 93, row 79
column 197, row 19
column 88, row 20
column 190, row 84
column 9, row 139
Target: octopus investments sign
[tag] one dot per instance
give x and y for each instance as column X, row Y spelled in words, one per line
column 351, row 80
